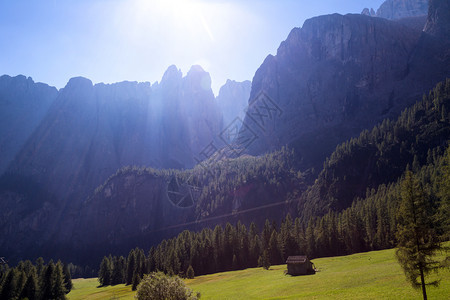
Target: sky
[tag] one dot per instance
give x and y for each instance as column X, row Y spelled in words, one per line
column 137, row 40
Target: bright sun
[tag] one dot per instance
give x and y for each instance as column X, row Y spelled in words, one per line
column 187, row 16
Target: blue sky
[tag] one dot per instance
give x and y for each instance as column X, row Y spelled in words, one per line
column 115, row 40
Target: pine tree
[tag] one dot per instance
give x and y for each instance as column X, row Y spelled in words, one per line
column 190, row 272
column 417, row 239
column 39, row 266
column 104, row 274
column 131, row 265
column 47, row 280
column 30, row 290
column 59, row 286
column 263, row 260
column 135, row 282
column 9, row 288
column 67, row 278
column 274, row 252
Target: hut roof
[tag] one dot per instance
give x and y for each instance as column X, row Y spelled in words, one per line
column 300, row 259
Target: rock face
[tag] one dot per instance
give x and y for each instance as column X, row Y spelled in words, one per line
column 438, row 23
column 336, row 76
column 91, row 131
column 23, row 105
column 233, row 100
column 398, row 9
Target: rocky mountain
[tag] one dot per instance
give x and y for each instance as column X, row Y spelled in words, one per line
column 398, row 9
column 89, row 132
column 336, row 76
column 93, row 130
column 23, row 105
column 233, row 100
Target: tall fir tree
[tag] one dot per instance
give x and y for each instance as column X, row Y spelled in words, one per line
column 416, row 235
column 104, row 274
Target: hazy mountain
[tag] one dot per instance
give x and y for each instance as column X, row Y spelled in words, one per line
column 89, row 132
column 23, row 105
column 233, row 100
column 93, row 130
column 398, row 9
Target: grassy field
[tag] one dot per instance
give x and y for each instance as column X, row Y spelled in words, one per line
column 371, row 275
column 88, row 289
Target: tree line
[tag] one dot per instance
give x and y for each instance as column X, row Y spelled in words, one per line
column 35, row 281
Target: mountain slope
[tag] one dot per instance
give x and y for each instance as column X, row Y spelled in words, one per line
column 23, row 105
column 381, row 155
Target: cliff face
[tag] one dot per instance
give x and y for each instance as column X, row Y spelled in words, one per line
column 23, row 105
column 336, row 76
column 233, row 100
column 398, row 9
column 438, row 23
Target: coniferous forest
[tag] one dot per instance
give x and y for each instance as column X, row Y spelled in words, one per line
column 35, row 281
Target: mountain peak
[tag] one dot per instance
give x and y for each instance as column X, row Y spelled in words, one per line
column 172, row 73
column 79, row 82
column 398, row 9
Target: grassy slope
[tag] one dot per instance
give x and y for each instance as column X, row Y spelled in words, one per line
column 88, row 289
column 372, row 275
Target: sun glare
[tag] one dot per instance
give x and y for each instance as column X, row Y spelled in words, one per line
column 186, row 16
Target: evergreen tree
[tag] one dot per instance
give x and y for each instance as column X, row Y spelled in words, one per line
column 47, row 281
column 417, row 239
column 131, row 265
column 39, row 266
column 274, row 252
column 190, row 272
column 443, row 215
column 67, row 278
column 59, row 286
column 136, row 281
column 263, row 260
column 104, row 274
column 30, row 290
column 9, row 287
column 116, row 273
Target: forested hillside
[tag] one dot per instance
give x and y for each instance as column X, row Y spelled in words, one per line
column 380, row 156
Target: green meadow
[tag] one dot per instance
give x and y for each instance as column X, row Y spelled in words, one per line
column 371, row 275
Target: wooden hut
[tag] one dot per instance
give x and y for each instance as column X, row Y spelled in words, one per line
column 299, row 265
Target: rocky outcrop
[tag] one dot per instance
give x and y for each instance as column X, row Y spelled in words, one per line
column 233, row 100
column 23, row 105
column 368, row 12
column 334, row 77
column 438, row 23
column 398, row 9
